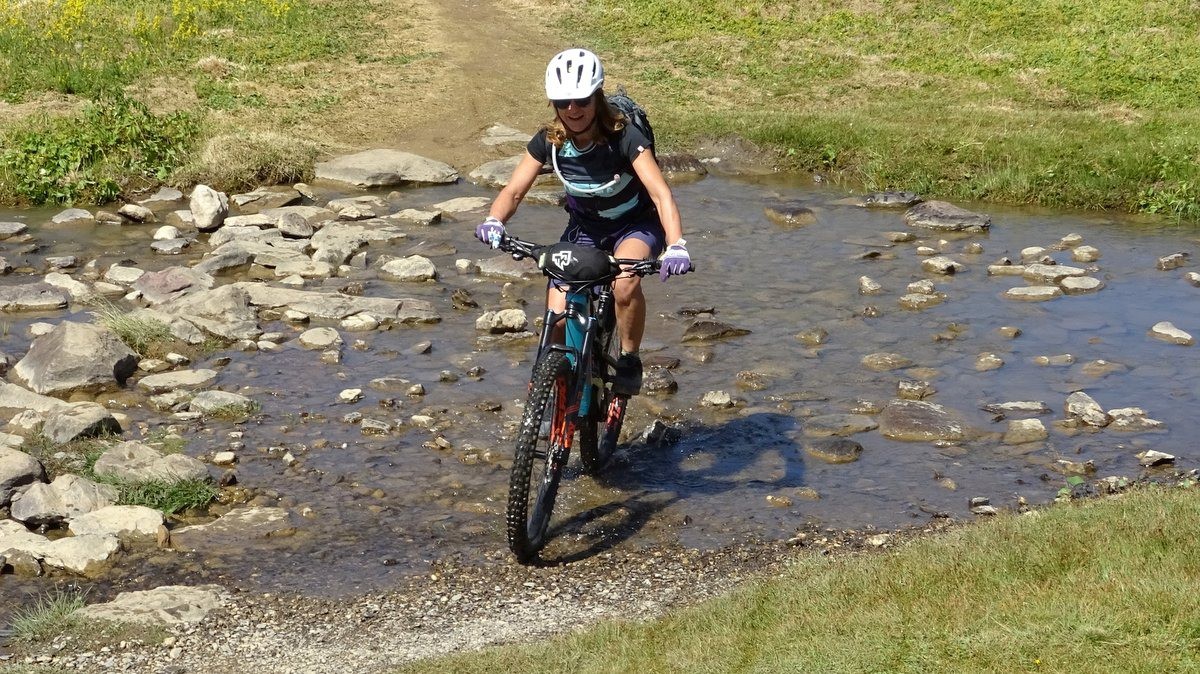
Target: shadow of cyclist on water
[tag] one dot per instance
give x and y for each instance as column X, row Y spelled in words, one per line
column 652, row 482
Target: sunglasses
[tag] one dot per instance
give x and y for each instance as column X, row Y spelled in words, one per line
column 579, row 103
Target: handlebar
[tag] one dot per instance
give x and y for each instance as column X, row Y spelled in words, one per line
column 523, row 249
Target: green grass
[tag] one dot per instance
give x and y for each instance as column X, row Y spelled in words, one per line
column 1062, row 103
column 1099, row 585
column 114, row 144
column 166, row 497
column 146, row 336
column 48, row 616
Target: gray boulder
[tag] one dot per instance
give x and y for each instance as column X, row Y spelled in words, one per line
column 79, row 420
column 947, row 217
column 33, row 297
column 209, row 208
column 17, row 469
column 376, row 168
column 69, row 496
column 76, row 356
column 164, row 606
column 917, row 420
column 136, row 462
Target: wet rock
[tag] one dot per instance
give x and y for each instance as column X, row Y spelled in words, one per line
column 1021, row 431
column 76, row 356
column 361, row 322
column 1050, row 273
column 73, row 216
column 503, row 321
column 1152, row 457
column 1193, row 278
column 294, row 226
column 180, row 379
column 170, row 246
column 209, row 208
column 33, row 297
column 77, row 421
column 1006, row 269
column 240, row 526
column 85, row 555
column 941, row 265
column 319, row 338
column 1018, row 407
column 827, row 425
column 1173, row 261
column 1167, row 332
column 162, row 606
column 383, row 167
column 918, row 301
column 751, row 381
column 833, row 450
column 209, row 402
column 708, row 330
column 1060, row 360
column 1083, row 407
column 138, row 462
column 126, row 522
column 790, row 215
column 1132, row 419
column 1085, row 254
column 1033, row 293
column 137, row 213
column 889, row 200
column 914, row 390
column 11, row 229
column 988, row 361
column 504, row 267
column 265, row 198
column 916, row 420
column 1102, row 368
column 719, row 399
column 658, row 381
column 416, row 216
column 1081, row 285
column 350, row 395
column 17, row 469
column 359, row 208
column 495, row 173
column 813, row 337
column 885, row 362
column 414, row 268
column 172, row 283
column 463, row 204
column 868, row 286
column 900, row 237
column 69, row 496
column 944, row 216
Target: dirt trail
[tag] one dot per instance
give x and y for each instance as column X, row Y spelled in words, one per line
column 492, row 56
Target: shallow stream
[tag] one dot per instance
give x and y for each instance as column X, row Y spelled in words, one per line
column 367, row 507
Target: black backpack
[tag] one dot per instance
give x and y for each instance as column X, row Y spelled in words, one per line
column 634, row 113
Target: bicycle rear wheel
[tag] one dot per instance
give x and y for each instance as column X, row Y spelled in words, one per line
column 599, row 432
column 540, row 457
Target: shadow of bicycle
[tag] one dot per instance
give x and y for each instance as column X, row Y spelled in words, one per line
column 743, row 458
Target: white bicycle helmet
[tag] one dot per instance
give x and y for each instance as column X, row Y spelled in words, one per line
column 573, row 73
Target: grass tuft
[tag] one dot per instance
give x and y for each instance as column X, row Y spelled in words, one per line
column 48, row 616
column 146, row 336
column 246, row 160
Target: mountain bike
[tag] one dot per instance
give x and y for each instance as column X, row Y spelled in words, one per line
column 571, row 388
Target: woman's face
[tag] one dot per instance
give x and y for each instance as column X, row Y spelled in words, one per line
column 577, row 115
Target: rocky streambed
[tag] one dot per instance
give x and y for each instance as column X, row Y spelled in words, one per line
column 347, row 366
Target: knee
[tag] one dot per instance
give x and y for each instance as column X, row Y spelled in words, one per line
column 627, row 291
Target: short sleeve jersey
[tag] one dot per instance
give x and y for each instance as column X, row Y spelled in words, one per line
column 621, row 197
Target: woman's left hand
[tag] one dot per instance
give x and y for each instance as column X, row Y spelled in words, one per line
column 675, row 261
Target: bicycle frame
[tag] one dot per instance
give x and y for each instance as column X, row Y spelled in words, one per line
column 582, row 319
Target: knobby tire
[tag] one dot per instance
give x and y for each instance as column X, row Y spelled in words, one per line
column 529, row 520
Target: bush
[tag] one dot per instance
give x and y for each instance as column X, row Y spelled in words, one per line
column 114, row 143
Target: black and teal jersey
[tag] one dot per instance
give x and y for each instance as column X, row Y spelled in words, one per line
column 603, row 192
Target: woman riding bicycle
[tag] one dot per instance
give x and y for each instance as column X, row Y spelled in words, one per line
column 617, row 199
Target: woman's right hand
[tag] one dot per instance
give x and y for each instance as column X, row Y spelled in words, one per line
column 490, row 232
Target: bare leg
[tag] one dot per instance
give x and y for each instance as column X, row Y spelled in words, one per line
column 631, row 303
column 556, row 300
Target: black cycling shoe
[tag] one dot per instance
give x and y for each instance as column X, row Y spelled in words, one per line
column 628, row 378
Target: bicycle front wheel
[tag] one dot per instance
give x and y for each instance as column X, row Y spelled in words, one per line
column 543, row 446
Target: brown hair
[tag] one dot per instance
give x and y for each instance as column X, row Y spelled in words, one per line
column 609, row 118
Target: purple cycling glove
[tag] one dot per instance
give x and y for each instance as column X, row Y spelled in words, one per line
column 490, row 232
column 675, row 261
